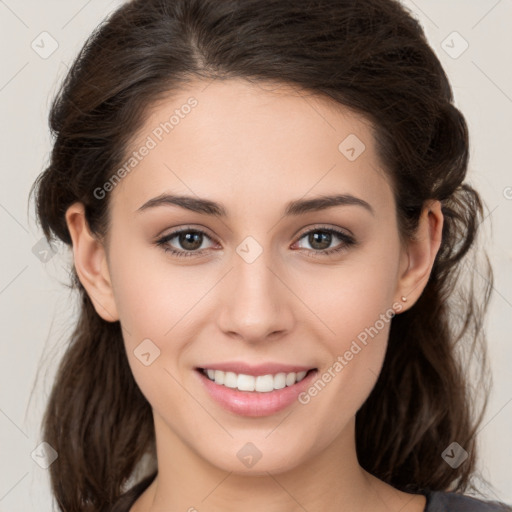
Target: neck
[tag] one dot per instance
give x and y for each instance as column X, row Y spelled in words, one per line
column 332, row 480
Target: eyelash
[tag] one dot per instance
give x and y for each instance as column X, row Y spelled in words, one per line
column 347, row 242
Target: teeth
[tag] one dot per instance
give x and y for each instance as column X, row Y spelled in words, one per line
column 219, row 377
column 230, row 380
column 245, row 382
column 262, row 383
column 290, row 379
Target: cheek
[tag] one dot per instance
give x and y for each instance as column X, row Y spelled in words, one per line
column 355, row 303
column 159, row 302
column 149, row 294
column 356, row 353
column 351, row 297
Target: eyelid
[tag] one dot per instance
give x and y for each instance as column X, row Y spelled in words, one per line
column 298, row 235
column 187, row 227
column 325, row 227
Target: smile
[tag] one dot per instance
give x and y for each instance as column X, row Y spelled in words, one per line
column 261, row 383
column 254, row 395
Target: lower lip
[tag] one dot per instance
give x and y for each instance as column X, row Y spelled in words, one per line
column 254, row 403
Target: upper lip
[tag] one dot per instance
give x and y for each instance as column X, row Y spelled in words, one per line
column 256, row 370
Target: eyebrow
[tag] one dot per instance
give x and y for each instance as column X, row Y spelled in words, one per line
column 293, row 208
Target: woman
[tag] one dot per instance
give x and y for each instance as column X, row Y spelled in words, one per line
column 268, row 216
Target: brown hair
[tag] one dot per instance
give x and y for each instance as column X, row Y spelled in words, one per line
column 369, row 55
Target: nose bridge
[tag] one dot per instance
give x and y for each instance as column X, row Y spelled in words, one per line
column 256, row 304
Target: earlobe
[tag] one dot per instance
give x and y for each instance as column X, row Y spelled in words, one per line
column 91, row 263
column 420, row 254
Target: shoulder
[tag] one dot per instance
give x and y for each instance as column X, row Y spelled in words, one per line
column 439, row 501
column 126, row 501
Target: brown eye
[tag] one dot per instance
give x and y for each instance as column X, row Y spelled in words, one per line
column 320, row 240
column 188, row 242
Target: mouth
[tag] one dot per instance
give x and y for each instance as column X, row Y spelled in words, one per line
column 255, row 395
column 255, row 383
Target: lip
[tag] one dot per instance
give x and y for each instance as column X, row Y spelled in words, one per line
column 256, row 370
column 253, row 403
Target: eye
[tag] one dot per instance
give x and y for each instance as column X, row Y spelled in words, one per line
column 191, row 240
column 320, row 239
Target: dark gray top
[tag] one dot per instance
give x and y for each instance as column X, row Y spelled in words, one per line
column 437, row 501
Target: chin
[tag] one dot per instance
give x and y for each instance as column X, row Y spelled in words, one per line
column 249, row 461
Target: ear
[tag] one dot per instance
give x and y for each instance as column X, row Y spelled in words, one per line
column 91, row 263
column 418, row 257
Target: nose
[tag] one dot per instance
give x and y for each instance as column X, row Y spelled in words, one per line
column 256, row 303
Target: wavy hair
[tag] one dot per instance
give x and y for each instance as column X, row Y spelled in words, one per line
column 369, row 55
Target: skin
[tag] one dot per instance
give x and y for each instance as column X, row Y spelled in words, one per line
column 254, row 148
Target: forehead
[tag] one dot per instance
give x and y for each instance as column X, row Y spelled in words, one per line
column 255, row 143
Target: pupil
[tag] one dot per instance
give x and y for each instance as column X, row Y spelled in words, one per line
column 320, row 236
column 187, row 240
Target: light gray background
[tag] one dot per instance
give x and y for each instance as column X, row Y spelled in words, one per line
column 36, row 309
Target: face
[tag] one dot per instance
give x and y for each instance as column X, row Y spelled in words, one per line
column 261, row 277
